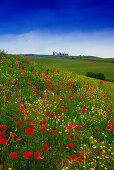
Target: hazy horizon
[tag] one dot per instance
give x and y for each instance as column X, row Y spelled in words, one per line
column 76, row 27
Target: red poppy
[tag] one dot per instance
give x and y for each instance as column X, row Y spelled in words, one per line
column 47, row 113
column 19, row 122
column 3, row 140
column 9, row 80
column 27, row 154
column 2, row 132
column 15, row 88
column 78, row 113
column 53, row 132
column 66, row 110
column 37, row 155
column 44, row 122
column 84, row 108
column 73, row 157
column 78, row 159
column 45, row 148
column 7, row 99
column 14, row 118
column 61, row 116
column 112, row 159
column 57, row 96
column 90, row 159
column 18, row 140
column 3, row 126
column 43, row 128
column 97, row 140
column 71, row 136
column 28, row 120
column 109, row 127
column 97, row 128
column 30, row 129
column 82, row 153
column 12, row 134
column 13, row 155
column 70, row 145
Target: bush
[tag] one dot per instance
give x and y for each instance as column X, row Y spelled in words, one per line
column 96, row 75
column 2, row 53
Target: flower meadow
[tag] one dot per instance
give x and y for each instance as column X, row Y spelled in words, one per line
column 52, row 119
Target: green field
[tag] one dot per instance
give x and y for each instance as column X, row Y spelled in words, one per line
column 54, row 120
column 80, row 66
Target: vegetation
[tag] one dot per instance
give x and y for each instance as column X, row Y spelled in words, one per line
column 79, row 66
column 53, row 119
column 96, row 75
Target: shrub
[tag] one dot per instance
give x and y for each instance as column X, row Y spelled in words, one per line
column 2, row 53
column 96, row 75
column 100, row 76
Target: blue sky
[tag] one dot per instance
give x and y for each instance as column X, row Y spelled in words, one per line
column 42, row 26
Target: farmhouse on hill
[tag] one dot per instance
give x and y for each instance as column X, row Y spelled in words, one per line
column 59, row 53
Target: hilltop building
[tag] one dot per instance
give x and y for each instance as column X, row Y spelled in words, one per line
column 59, row 53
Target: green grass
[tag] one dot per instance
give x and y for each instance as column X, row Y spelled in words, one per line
column 80, row 66
column 69, row 114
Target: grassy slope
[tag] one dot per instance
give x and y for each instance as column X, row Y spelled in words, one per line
column 96, row 95
column 81, row 66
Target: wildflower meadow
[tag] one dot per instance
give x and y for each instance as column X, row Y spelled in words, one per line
column 53, row 119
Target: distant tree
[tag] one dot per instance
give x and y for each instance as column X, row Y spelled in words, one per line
column 3, row 53
column 96, row 75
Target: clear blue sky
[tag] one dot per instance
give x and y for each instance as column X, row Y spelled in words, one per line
column 49, row 22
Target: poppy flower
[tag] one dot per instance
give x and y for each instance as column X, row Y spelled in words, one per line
column 73, row 157
column 90, row 159
column 71, row 136
column 28, row 120
column 9, row 80
column 84, row 108
column 27, row 154
column 79, row 159
column 70, row 145
column 30, row 129
column 43, row 128
column 7, row 99
column 2, row 132
column 44, row 122
column 97, row 128
column 66, row 110
column 3, row 140
column 18, row 140
column 78, row 113
column 41, row 158
column 3, row 126
column 82, row 153
column 14, row 118
column 53, row 132
column 13, row 155
column 12, row 134
column 47, row 113
column 109, row 127
column 37, row 155
column 45, row 148
column 19, row 122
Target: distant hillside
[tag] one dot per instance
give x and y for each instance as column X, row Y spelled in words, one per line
column 43, row 55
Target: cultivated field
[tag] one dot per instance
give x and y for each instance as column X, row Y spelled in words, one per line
column 80, row 65
column 52, row 119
